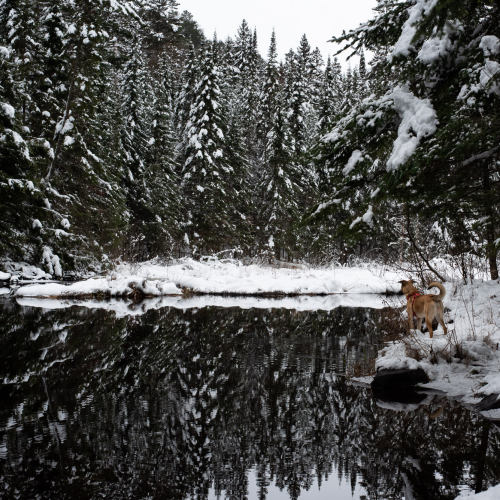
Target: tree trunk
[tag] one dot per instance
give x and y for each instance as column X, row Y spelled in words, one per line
column 491, row 251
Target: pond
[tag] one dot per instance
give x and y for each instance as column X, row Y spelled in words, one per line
column 220, row 402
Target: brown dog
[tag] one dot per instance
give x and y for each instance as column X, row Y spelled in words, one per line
column 424, row 306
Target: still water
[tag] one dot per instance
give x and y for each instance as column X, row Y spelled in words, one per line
column 219, row 402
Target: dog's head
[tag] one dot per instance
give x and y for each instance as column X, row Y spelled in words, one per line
column 407, row 286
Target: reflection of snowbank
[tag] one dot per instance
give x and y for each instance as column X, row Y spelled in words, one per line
column 124, row 308
column 466, row 362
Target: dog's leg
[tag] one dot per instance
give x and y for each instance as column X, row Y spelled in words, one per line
column 428, row 322
column 409, row 310
column 440, row 318
column 419, row 324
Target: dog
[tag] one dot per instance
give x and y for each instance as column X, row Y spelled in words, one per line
column 424, row 306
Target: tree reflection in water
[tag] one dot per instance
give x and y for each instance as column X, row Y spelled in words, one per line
column 175, row 404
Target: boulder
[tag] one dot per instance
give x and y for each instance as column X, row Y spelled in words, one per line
column 390, row 380
column 490, row 402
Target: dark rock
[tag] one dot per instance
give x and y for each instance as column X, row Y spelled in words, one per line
column 399, row 379
column 490, row 402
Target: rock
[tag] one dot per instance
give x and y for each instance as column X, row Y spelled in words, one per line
column 490, row 402
column 388, row 380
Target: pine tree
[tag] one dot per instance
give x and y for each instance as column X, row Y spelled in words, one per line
column 247, row 62
column 270, row 93
column 279, row 190
column 164, row 203
column 207, row 175
column 185, row 97
column 136, row 135
column 372, row 159
column 329, row 100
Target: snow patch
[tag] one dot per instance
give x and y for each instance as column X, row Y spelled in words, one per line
column 490, row 45
column 415, row 13
column 355, row 158
column 121, row 286
column 53, row 262
column 418, row 120
column 492, row 493
column 8, row 110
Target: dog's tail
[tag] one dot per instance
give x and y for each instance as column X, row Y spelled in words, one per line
column 442, row 291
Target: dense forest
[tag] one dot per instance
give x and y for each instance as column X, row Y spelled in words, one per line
column 126, row 133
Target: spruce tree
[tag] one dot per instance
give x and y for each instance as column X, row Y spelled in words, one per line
column 163, row 201
column 206, row 172
column 270, row 93
column 279, row 190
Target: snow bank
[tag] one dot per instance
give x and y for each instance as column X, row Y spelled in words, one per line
column 492, row 493
column 232, row 277
column 4, row 276
column 119, row 287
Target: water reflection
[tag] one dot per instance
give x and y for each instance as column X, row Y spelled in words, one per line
column 183, row 404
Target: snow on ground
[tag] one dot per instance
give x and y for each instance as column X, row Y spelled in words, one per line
column 4, row 276
column 229, row 276
column 466, row 362
column 492, row 493
column 116, row 287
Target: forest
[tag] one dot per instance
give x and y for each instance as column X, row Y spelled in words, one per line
column 126, row 133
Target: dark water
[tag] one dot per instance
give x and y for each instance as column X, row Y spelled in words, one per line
column 219, row 402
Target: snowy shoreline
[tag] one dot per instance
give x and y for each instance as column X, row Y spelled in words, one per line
column 226, row 278
column 465, row 363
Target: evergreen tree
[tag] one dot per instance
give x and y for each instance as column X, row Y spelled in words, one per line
column 247, row 63
column 185, row 98
column 389, row 145
column 136, row 110
column 270, row 93
column 207, row 175
column 164, row 202
column 279, row 190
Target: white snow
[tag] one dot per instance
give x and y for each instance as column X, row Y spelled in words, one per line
column 435, row 48
column 121, row 286
column 356, row 157
column 490, row 45
column 405, row 41
column 490, row 71
column 52, row 261
column 231, row 276
column 368, row 216
column 4, row 276
column 492, row 493
column 8, row 110
column 418, row 120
